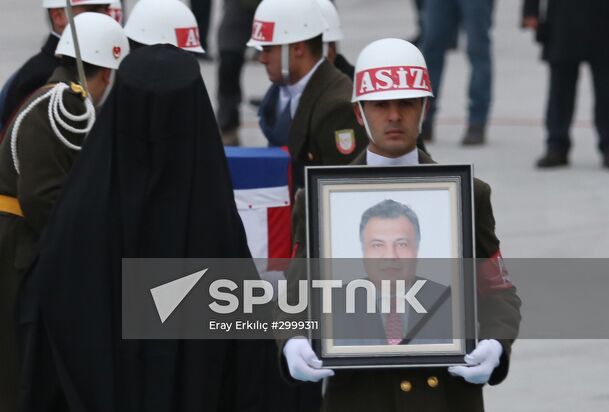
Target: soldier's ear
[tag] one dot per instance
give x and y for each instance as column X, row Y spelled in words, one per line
column 299, row 48
column 107, row 75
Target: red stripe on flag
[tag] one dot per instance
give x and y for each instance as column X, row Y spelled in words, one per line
column 280, row 232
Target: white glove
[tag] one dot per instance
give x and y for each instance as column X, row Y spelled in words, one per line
column 482, row 361
column 302, row 361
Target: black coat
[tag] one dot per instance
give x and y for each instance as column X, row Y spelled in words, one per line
column 153, row 182
column 30, row 77
column 572, row 30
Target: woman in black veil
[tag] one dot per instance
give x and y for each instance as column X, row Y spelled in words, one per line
column 152, row 181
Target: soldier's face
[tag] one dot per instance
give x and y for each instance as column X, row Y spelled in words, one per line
column 270, row 56
column 394, row 125
column 389, row 248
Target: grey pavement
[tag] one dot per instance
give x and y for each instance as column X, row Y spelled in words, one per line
column 551, row 214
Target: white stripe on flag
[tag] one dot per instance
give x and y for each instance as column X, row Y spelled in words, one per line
column 255, row 223
column 265, row 197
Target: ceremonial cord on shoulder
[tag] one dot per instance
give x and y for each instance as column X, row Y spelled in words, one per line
column 56, row 106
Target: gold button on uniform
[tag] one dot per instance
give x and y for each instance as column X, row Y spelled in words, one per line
column 433, row 382
column 310, row 156
column 406, row 386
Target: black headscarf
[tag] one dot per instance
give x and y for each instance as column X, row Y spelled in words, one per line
column 152, row 181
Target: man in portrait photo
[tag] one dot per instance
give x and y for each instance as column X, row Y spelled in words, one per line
column 390, row 235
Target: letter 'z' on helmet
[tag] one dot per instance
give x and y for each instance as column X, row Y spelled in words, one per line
column 280, row 22
column 101, row 39
column 333, row 32
column 59, row 4
column 164, row 21
column 390, row 69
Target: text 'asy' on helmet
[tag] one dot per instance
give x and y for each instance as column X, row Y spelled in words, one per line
column 333, row 32
column 101, row 39
column 57, row 4
column 390, row 69
column 279, row 22
column 164, row 21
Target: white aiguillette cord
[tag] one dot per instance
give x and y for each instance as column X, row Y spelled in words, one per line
column 56, row 107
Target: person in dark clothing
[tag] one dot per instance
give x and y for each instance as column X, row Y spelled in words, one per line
column 202, row 11
column 233, row 34
column 152, row 181
column 571, row 33
column 36, row 71
column 307, row 108
column 36, row 155
column 392, row 117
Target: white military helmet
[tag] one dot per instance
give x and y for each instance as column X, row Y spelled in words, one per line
column 57, row 4
column 164, row 21
column 101, row 39
column 115, row 10
column 390, row 69
column 333, row 32
column 280, row 22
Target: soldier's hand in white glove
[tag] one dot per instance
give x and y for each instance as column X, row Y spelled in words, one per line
column 302, row 361
column 481, row 362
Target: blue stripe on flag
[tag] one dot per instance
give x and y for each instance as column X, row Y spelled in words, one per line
column 257, row 167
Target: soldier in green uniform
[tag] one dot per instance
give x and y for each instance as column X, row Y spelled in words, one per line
column 392, row 117
column 308, row 106
column 36, row 155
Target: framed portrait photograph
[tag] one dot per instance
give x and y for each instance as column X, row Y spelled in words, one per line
column 392, row 275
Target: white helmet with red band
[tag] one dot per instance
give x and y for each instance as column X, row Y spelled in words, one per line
column 58, row 4
column 101, row 39
column 390, row 69
column 279, row 22
column 164, row 21
column 333, row 32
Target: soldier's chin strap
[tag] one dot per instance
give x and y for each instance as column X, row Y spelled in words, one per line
column 367, row 127
column 368, row 131
column 285, row 63
column 423, row 115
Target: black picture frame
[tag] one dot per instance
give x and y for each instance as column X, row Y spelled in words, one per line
column 324, row 182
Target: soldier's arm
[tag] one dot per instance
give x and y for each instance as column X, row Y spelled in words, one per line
column 498, row 303
column 44, row 165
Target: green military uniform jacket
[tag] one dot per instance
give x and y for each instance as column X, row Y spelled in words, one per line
column 324, row 130
column 423, row 389
column 44, row 164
